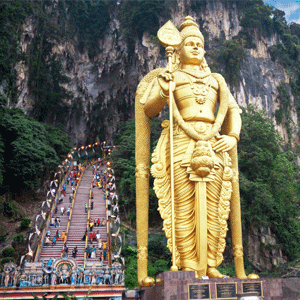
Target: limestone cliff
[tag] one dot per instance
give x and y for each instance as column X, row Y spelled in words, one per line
column 106, row 83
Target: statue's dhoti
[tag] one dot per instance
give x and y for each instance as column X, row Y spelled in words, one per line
column 218, row 194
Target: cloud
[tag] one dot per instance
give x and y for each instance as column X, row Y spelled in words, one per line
column 295, row 20
column 289, row 9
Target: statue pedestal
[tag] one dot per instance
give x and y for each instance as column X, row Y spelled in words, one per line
column 184, row 286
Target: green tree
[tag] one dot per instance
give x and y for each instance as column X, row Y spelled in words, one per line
column 30, row 149
column 269, row 181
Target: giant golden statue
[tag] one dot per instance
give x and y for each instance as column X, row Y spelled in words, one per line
column 195, row 161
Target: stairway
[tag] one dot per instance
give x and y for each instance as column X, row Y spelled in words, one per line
column 55, row 251
column 99, row 211
column 78, row 223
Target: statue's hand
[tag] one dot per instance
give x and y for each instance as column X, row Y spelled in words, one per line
column 224, row 143
column 163, row 79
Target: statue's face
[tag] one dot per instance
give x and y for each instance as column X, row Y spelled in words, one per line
column 192, row 52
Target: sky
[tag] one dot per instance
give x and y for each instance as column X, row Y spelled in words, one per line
column 290, row 7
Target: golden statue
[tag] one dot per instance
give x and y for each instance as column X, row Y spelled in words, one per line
column 194, row 165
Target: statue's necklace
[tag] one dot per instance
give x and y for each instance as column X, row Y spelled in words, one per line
column 200, row 89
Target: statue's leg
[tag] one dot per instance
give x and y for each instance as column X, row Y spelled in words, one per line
column 185, row 224
column 213, row 223
column 184, row 194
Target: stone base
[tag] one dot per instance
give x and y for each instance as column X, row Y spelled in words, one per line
column 183, row 285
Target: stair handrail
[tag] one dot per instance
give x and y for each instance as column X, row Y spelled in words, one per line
column 47, row 225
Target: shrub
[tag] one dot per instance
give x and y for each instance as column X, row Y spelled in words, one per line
column 9, row 209
column 25, row 223
column 8, row 252
column 19, row 238
column 7, row 260
column 2, row 233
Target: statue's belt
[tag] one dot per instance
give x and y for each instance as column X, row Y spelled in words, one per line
column 200, row 127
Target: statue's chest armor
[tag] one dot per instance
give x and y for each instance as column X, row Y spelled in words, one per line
column 196, row 98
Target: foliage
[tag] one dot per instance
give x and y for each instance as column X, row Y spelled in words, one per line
column 88, row 19
column 44, row 297
column 97, row 114
column 25, row 222
column 3, row 233
column 45, row 72
column 68, row 296
column 11, row 18
column 231, row 55
column 7, row 260
column 139, row 16
column 257, row 17
column 30, row 148
column 269, row 181
column 129, row 254
column 159, row 260
column 229, row 269
column 18, row 238
column 57, row 140
column 159, row 257
column 284, row 111
column 10, row 209
column 123, row 160
column 8, row 252
column 287, row 53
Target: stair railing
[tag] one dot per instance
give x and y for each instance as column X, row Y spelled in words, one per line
column 47, row 225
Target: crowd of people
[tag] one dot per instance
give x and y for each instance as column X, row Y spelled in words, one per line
column 73, row 179
column 61, row 211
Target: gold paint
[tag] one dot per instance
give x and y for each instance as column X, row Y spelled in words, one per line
column 238, row 250
column 142, row 252
column 142, row 171
column 194, row 167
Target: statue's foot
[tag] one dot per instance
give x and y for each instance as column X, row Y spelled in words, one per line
column 214, row 273
column 187, row 269
column 252, row 276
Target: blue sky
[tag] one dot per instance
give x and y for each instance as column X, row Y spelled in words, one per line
column 290, row 7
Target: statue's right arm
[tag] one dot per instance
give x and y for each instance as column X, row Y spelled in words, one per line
column 156, row 100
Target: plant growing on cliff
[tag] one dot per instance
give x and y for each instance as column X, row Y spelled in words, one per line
column 231, row 55
column 87, row 20
column 283, row 113
column 45, row 73
column 139, row 16
column 11, row 18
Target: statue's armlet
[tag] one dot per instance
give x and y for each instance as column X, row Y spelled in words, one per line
column 233, row 119
column 156, row 100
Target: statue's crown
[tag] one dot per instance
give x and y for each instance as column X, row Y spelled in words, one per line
column 190, row 28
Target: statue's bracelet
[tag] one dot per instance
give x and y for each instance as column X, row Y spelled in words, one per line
column 161, row 93
column 234, row 135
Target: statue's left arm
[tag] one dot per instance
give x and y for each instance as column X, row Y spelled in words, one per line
column 231, row 128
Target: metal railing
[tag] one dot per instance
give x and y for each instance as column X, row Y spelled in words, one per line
column 47, row 225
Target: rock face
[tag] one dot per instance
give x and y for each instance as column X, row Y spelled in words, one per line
column 103, row 87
